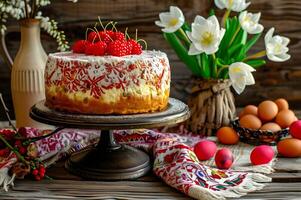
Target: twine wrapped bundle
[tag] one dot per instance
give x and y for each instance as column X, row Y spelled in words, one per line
column 212, row 105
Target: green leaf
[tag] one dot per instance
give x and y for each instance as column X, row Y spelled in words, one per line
column 231, row 26
column 241, row 38
column 211, row 12
column 224, row 73
column 256, row 63
column 251, row 42
column 205, row 65
column 183, row 38
column 235, row 48
column 239, row 43
column 182, row 53
column 220, row 62
column 186, row 27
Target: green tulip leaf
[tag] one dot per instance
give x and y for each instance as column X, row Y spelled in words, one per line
column 182, row 53
column 251, row 42
column 205, row 65
column 256, row 63
column 211, row 13
column 235, row 49
column 186, row 27
column 220, row 62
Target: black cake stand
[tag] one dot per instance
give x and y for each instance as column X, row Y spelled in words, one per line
column 109, row 160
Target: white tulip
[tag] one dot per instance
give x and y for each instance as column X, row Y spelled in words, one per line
column 276, row 46
column 171, row 21
column 205, row 35
column 249, row 22
column 241, row 76
column 234, row 5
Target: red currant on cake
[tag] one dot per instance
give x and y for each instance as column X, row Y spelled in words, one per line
column 136, row 47
column 106, row 36
column 119, row 36
column 118, row 48
column 100, row 48
column 93, row 37
column 110, row 33
column 80, row 46
column 89, row 49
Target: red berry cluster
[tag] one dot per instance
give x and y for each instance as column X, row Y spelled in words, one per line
column 107, row 43
column 20, row 148
column 30, row 165
column 39, row 172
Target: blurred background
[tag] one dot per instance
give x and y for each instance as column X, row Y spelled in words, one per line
column 272, row 81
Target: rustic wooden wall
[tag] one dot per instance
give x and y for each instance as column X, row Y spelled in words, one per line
column 272, row 81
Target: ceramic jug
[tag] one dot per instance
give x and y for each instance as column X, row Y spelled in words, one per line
column 27, row 76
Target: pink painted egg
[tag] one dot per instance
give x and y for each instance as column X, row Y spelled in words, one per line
column 262, row 154
column 295, row 129
column 205, row 149
column 224, row 158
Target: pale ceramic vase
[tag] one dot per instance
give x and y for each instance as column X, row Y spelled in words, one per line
column 27, row 77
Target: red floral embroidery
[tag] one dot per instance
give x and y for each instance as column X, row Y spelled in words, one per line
column 95, row 89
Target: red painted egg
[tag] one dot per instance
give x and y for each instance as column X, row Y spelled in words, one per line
column 295, row 129
column 205, row 149
column 262, row 154
column 224, row 158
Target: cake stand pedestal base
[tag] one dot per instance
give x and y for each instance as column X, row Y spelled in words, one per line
column 109, row 161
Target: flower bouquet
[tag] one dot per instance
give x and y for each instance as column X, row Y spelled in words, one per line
column 218, row 57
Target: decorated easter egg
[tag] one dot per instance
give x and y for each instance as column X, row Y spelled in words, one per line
column 295, row 129
column 250, row 121
column 282, row 104
column 267, row 110
column 227, row 135
column 290, row 147
column 224, row 158
column 285, row 118
column 205, row 149
column 262, row 154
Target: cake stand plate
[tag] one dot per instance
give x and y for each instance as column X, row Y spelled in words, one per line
column 109, row 160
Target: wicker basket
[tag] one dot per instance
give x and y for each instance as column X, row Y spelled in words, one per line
column 211, row 104
column 258, row 137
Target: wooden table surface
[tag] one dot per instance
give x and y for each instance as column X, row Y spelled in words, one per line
column 286, row 184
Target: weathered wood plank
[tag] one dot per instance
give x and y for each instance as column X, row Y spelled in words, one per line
column 92, row 189
column 286, row 177
column 277, row 191
column 61, row 189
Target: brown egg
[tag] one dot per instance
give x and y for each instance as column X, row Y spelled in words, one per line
column 250, row 109
column 250, row 121
column 285, row 118
column 267, row 110
column 290, row 147
column 241, row 113
column 227, row 135
column 271, row 126
column 282, row 104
